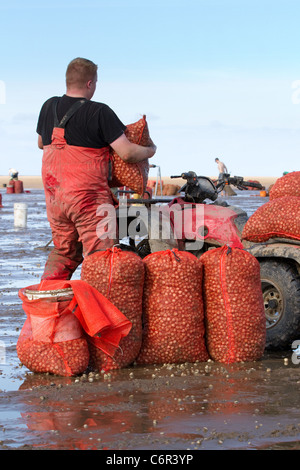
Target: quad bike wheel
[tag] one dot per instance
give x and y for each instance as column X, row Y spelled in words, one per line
column 281, row 294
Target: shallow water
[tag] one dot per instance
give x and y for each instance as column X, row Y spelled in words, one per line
column 22, row 259
column 182, row 407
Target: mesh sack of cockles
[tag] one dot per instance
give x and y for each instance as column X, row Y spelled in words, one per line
column 287, row 185
column 173, row 320
column 133, row 175
column 235, row 324
column 171, row 189
column 279, row 218
column 119, row 276
column 60, row 316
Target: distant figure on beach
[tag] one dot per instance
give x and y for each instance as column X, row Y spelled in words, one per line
column 13, row 174
column 222, row 169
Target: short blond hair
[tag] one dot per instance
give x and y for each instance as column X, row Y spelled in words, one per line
column 80, row 71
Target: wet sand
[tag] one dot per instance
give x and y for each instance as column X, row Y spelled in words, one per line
column 185, row 407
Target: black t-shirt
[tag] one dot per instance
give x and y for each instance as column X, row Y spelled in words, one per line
column 94, row 125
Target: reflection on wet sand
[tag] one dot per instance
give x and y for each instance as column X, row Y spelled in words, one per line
column 190, row 406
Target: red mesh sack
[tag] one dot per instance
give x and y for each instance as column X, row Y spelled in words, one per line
column 233, row 305
column 287, row 185
column 119, row 276
column 133, row 175
column 279, row 218
column 52, row 339
column 60, row 315
column 173, row 330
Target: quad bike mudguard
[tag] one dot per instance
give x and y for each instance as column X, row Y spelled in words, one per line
column 211, row 223
column 277, row 248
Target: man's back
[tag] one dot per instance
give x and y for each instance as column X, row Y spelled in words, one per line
column 222, row 167
column 94, row 125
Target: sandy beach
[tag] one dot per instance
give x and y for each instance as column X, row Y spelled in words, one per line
column 35, row 182
column 29, row 182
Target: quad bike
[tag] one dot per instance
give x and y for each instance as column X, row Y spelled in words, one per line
column 207, row 225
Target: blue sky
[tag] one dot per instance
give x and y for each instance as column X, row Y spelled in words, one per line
column 214, row 77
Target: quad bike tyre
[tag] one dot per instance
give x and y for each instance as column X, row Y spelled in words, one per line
column 281, row 293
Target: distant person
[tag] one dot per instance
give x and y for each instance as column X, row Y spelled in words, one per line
column 13, row 174
column 221, row 168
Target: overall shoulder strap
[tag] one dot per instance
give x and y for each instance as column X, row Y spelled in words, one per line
column 68, row 114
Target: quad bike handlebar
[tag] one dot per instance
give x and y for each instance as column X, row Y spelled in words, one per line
column 237, row 181
column 198, row 188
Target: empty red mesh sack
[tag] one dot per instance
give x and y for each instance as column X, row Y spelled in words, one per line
column 233, row 305
column 173, row 319
column 133, row 175
column 119, row 276
column 279, row 218
column 60, row 316
column 287, row 185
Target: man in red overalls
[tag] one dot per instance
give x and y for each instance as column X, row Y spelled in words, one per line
column 75, row 134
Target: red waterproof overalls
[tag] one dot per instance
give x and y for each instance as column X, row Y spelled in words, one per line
column 76, row 185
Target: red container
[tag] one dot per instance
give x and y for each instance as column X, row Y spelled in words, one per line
column 19, row 186
column 10, row 189
column 1, row 200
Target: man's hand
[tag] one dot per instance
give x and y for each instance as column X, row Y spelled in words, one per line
column 132, row 153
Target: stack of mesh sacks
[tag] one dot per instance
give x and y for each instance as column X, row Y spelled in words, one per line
column 280, row 217
column 161, row 296
column 170, row 307
column 183, row 309
column 194, row 310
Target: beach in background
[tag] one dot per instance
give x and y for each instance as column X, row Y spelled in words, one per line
column 35, row 182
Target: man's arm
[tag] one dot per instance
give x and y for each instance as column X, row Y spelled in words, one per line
column 40, row 143
column 132, row 153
